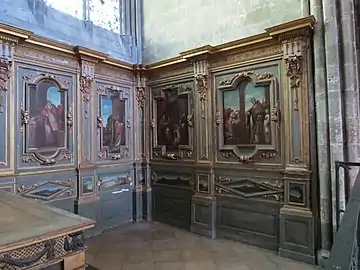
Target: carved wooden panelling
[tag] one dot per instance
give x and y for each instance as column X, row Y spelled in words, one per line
column 46, row 57
column 103, row 70
column 248, row 117
column 172, row 122
column 46, row 126
column 47, row 188
column 113, row 122
column 254, row 188
column 5, row 112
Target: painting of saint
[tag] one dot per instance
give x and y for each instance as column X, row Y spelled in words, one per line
column 257, row 114
column 246, row 115
column 47, row 118
column 113, row 118
column 172, row 127
column 87, row 185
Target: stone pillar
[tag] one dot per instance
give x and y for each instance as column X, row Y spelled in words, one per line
column 322, row 132
column 203, row 210
column 297, row 238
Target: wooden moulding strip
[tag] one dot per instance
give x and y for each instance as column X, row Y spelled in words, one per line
column 203, row 51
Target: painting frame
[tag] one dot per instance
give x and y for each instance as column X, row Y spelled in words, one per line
column 46, row 191
column 296, row 193
column 203, row 183
column 117, row 147
column 85, row 182
column 46, row 119
column 184, row 148
column 237, row 82
column 114, row 180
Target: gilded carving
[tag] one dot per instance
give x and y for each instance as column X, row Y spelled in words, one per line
column 24, row 117
column 5, row 73
column 69, row 119
column 247, row 188
column 217, row 117
column 28, row 158
column 86, row 87
column 247, row 74
column 275, row 114
column 140, row 96
column 99, row 121
column 201, row 86
column 244, row 159
column 294, row 73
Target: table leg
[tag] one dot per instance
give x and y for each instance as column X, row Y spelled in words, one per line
column 75, row 262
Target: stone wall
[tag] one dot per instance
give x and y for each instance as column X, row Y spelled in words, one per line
column 36, row 16
column 173, row 26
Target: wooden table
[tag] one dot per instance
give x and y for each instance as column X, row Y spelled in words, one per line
column 35, row 236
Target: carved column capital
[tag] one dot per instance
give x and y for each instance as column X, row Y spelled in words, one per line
column 86, row 79
column 201, row 76
column 295, row 52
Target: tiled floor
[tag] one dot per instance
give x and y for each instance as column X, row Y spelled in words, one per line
column 160, row 247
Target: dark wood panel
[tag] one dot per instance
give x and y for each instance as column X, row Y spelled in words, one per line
column 172, row 206
column 250, row 221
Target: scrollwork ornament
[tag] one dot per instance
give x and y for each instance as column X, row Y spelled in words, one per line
column 99, row 122
column 69, row 119
column 86, row 83
column 217, row 118
column 5, row 74
column 140, row 96
column 275, row 114
column 86, row 87
column 294, row 73
column 190, row 119
column 201, row 86
column 25, row 117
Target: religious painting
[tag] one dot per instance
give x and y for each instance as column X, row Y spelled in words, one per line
column 114, row 180
column 46, row 190
column 246, row 115
column 172, row 120
column 47, row 118
column 113, row 115
column 87, row 185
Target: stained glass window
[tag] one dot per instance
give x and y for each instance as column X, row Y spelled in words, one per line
column 105, row 14
column 72, row 7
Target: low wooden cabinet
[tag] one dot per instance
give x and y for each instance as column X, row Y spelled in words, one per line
column 37, row 236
